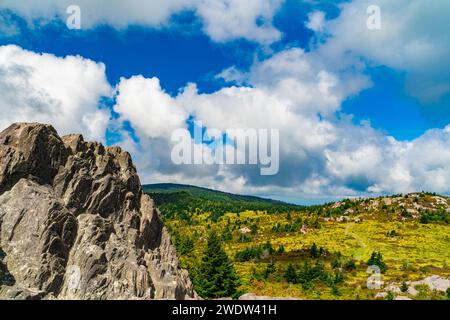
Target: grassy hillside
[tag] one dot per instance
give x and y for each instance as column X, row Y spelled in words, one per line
column 175, row 200
column 319, row 252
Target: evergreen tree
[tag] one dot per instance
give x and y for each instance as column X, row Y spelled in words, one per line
column 350, row 265
column 377, row 259
column 314, row 251
column 335, row 291
column 290, row 275
column 216, row 277
column 404, row 287
column 336, row 263
column 271, row 268
column 338, row 277
column 390, row 296
column 184, row 244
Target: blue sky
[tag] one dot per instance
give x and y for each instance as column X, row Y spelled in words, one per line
column 392, row 97
column 183, row 54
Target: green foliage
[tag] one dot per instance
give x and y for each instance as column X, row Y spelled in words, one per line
column 248, row 254
column 404, row 287
column 335, row 291
column 291, row 274
column 338, row 278
column 287, row 227
column 336, row 264
column 448, row 293
column 317, row 252
column 350, row 265
column 173, row 200
column 391, row 234
column 299, row 265
column 376, row 259
column 227, row 234
column 314, row 251
column 428, row 216
column 309, row 274
column 184, row 244
column 216, row 277
column 245, row 238
column 257, row 252
column 270, row 269
column 390, row 296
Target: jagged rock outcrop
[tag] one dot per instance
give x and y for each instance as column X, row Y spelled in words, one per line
column 75, row 224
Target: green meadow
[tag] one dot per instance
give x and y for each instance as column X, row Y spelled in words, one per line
column 322, row 252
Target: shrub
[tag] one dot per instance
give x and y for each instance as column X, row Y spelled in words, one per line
column 350, row 265
column 270, row 269
column 404, row 287
column 376, row 259
column 291, row 274
column 336, row 264
column 390, row 295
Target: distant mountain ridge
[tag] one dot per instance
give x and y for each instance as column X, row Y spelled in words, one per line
column 174, row 198
column 166, row 187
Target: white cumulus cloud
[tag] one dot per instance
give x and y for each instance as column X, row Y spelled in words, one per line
column 63, row 91
column 222, row 20
column 412, row 39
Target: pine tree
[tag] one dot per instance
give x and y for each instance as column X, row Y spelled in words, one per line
column 270, row 269
column 377, row 259
column 390, row 296
column 314, row 251
column 404, row 287
column 216, row 277
column 290, row 275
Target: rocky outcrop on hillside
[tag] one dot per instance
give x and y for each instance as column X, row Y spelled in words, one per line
column 435, row 283
column 75, row 224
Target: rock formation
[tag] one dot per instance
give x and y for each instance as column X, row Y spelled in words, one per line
column 75, row 224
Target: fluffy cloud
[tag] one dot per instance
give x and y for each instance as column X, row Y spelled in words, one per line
column 320, row 156
column 222, row 19
column 411, row 39
column 231, row 19
column 323, row 153
column 62, row 91
column 116, row 13
column 143, row 102
column 316, row 21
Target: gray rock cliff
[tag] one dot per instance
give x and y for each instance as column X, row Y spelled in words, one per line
column 75, row 224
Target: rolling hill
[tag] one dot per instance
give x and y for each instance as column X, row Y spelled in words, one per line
column 316, row 252
column 183, row 199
